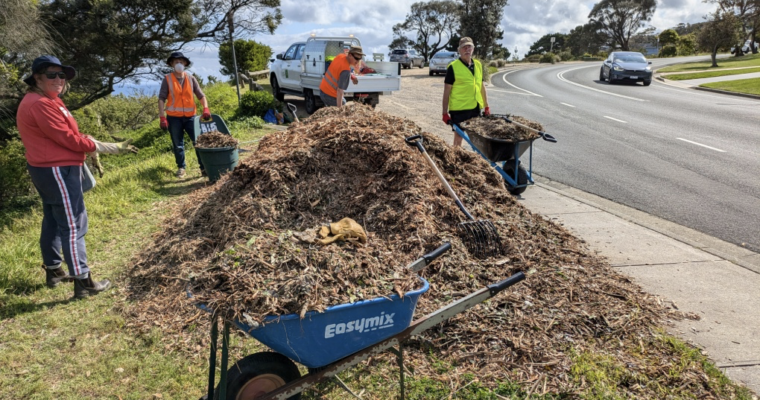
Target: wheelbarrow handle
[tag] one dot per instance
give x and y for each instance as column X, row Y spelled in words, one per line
column 499, row 286
column 548, row 137
column 429, row 257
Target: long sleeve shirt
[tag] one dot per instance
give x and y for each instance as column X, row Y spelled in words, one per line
column 50, row 134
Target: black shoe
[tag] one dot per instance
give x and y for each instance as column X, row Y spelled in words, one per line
column 203, row 172
column 55, row 276
column 86, row 287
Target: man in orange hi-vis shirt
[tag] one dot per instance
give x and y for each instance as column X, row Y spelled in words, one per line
column 335, row 80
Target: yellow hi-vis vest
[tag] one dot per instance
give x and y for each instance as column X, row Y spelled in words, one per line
column 329, row 84
column 179, row 102
column 465, row 92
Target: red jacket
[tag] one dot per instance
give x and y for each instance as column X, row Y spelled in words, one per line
column 49, row 133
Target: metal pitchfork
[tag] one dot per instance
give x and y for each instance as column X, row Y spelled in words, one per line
column 480, row 237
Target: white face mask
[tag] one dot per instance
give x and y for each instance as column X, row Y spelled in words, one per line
column 179, row 67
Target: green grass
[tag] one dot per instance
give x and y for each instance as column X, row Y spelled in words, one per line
column 747, row 86
column 711, row 74
column 752, row 60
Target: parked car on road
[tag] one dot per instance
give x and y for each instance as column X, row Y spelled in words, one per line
column 746, row 49
column 440, row 62
column 407, row 58
column 626, row 66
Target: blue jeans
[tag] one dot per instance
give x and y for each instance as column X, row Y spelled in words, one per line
column 177, row 128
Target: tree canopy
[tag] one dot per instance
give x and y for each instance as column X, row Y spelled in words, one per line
column 249, row 18
column 587, row 38
column 721, row 30
column 544, row 44
column 481, row 21
column 620, row 19
column 433, row 22
column 250, row 55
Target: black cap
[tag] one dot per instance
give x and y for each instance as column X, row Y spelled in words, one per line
column 40, row 63
column 177, row 54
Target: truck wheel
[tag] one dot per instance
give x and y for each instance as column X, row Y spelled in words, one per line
column 311, row 101
column 422, row 64
column 276, row 89
column 258, row 374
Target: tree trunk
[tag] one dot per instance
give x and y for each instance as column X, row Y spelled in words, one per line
column 713, row 55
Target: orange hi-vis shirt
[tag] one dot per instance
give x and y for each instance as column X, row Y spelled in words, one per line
column 329, row 85
column 179, row 102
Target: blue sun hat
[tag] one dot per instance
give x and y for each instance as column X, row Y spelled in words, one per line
column 179, row 55
column 40, row 63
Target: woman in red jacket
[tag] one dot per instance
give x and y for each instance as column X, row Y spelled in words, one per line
column 55, row 152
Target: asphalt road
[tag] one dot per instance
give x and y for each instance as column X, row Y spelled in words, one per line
column 684, row 155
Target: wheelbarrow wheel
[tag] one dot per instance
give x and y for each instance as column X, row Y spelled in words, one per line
column 258, row 374
column 522, row 179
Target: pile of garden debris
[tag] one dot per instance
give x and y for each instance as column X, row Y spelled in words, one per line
column 238, row 247
column 214, row 140
column 498, row 128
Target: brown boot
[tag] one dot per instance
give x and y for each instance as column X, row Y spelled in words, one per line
column 86, row 287
column 55, row 276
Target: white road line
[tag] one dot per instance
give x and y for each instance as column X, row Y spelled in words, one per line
column 569, row 105
column 562, row 78
column 504, row 78
column 615, row 119
column 703, row 145
column 510, row 92
column 400, row 105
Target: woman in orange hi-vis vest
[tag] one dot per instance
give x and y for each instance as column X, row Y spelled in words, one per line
column 176, row 98
column 335, row 80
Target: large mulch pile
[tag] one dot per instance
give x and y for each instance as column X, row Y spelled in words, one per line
column 236, row 246
column 498, row 128
column 214, row 140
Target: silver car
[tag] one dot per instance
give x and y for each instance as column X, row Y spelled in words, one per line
column 407, row 58
column 440, row 62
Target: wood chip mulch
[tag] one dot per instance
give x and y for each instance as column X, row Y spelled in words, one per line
column 215, row 140
column 498, row 128
column 236, row 247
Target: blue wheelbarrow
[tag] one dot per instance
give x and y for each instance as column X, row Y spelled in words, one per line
column 328, row 342
column 507, row 152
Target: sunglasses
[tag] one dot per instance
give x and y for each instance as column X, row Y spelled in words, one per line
column 53, row 75
column 356, row 57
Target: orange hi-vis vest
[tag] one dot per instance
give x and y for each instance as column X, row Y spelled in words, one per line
column 180, row 101
column 329, row 85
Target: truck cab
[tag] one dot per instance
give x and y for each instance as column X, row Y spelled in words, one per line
column 299, row 71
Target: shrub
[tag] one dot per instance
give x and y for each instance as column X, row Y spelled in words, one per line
column 15, row 182
column 222, row 99
column 257, row 104
column 493, row 63
column 501, row 63
column 533, row 58
column 566, row 56
column 110, row 115
column 548, row 58
column 668, row 51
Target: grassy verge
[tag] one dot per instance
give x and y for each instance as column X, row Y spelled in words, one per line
column 711, row 74
column 747, row 86
column 752, row 60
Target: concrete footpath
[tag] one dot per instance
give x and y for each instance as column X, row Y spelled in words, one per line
column 694, row 272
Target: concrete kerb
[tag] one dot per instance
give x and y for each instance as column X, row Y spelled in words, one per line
column 728, row 251
column 706, row 89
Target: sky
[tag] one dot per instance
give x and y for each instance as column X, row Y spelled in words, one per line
column 523, row 21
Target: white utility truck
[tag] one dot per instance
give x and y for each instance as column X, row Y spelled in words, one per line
column 299, row 72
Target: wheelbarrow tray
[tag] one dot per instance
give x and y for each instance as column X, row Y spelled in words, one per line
column 321, row 338
column 500, row 149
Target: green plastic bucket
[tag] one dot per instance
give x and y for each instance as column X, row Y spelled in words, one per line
column 218, row 161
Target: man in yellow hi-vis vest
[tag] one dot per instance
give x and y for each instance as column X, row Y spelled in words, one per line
column 464, row 93
column 335, row 80
column 176, row 98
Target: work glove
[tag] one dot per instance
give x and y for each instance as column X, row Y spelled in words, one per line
column 446, row 119
column 164, row 123
column 95, row 163
column 206, row 114
column 487, row 112
column 345, row 229
column 115, row 148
